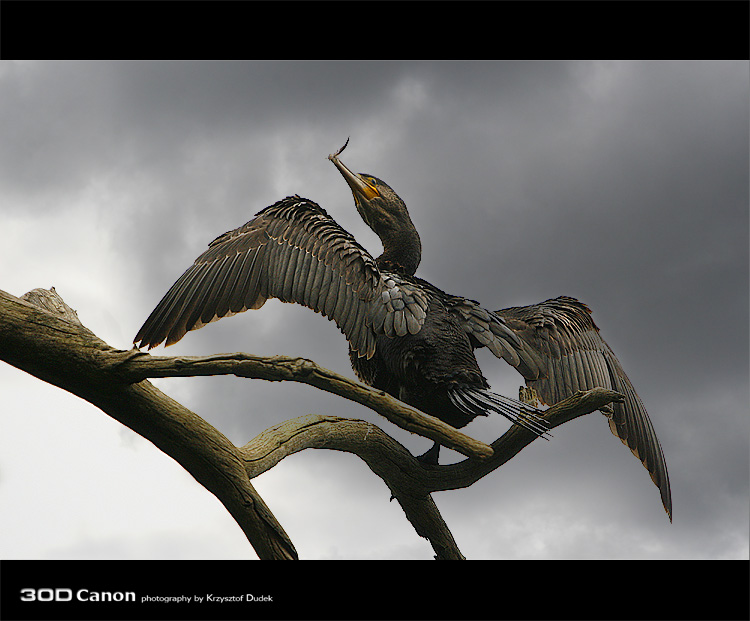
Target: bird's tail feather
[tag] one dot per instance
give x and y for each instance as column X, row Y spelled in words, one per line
column 478, row 402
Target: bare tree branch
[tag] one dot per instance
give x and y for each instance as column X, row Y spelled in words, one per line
column 137, row 366
column 68, row 355
column 513, row 441
column 386, row 457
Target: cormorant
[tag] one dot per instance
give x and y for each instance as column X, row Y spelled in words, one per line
column 406, row 336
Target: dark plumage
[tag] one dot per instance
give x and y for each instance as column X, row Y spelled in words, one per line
column 406, row 336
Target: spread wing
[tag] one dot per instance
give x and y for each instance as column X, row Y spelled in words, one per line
column 293, row 251
column 557, row 347
column 562, row 352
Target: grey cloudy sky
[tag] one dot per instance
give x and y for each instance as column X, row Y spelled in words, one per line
column 624, row 184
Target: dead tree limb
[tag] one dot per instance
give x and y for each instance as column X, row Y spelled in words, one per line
column 40, row 334
column 136, row 366
column 61, row 351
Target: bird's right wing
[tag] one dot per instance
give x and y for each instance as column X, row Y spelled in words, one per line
column 293, row 251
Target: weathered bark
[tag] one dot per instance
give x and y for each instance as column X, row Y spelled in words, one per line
column 42, row 336
column 64, row 353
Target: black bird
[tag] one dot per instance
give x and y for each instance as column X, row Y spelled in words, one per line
column 406, row 336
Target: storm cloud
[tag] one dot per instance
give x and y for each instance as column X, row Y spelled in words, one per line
column 624, row 184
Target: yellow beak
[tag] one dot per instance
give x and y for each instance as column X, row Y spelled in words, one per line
column 360, row 187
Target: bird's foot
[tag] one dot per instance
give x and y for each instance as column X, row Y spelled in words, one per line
column 431, row 456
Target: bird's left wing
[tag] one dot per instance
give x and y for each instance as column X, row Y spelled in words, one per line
column 557, row 347
column 571, row 355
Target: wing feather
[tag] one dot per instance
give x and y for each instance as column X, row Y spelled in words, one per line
column 309, row 281
column 303, row 270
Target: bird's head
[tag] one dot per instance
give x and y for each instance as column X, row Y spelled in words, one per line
column 379, row 206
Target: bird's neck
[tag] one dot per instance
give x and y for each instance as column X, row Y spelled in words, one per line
column 402, row 251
